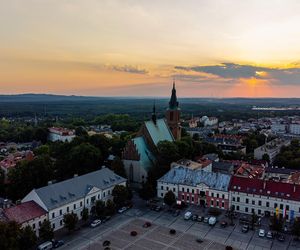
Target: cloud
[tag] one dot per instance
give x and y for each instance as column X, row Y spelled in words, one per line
column 285, row 76
column 129, row 69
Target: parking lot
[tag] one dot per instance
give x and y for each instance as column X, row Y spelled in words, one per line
column 159, row 237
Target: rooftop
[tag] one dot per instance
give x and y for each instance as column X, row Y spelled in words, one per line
column 61, row 193
column 24, row 212
column 186, row 176
column 270, row 188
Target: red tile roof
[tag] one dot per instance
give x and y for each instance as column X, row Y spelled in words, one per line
column 24, row 212
column 270, row 188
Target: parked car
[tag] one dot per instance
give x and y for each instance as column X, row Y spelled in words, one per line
column 194, row 217
column 281, row 238
column 122, row 210
column 95, row 223
column 45, row 246
column 269, row 235
column 200, row 218
column 212, row 221
column 176, row 213
column 58, row 243
column 187, row 215
column 223, row 224
column 261, row 233
column 245, row 228
column 158, row 208
column 205, row 220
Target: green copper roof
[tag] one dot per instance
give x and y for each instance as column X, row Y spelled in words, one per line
column 159, row 131
column 146, row 157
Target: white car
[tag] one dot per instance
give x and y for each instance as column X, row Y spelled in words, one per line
column 95, row 223
column 122, row 210
column 187, row 215
column 261, row 233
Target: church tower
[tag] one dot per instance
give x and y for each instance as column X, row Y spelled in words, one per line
column 173, row 115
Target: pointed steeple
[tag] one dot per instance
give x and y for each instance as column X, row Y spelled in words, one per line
column 173, row 103
column 154, row 114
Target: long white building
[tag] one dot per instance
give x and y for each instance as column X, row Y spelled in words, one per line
column 73, row 195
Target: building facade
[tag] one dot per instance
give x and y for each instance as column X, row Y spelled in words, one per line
column 73, row 195
column 61, row 134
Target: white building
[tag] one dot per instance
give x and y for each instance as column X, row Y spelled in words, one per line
column 73, row 195
column 278, row 127
column 271, row 149
column 294, row 128
column 265, row 197
column 61, row 134
column 209, row 121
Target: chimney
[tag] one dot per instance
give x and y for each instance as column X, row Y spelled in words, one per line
column 265, row 183
column 294, row 189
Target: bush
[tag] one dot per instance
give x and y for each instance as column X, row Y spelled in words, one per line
column 173, row 231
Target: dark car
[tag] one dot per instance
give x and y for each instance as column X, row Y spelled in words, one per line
column 194, row 217
column 158, row 208
column 176, row 213
column 223, row 223
column 281, row 238
column 200, row 218
column 245, row 228
column 58, row 243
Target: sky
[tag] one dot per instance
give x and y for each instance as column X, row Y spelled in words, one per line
column 212, row 48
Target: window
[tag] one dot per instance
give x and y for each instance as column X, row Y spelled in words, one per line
column 162, row 187
column 217, row 203
column 223, row 204
column 167, row 188
column 217, row 195
column 53, row 215
column 281, row 206
column 67, row 209
column 33, row 225
column 246, row 209
column 223, row 196
column 109, row 191
column 247, row 200
column 253, row 202
column 192, row 191
column 161, row 195
column 275, row 205
column 192, row 199
column 182, row 197
column 252, row 210
column 237, row 208
column 81, row 204
column 173, row 189
column 61, row 222
column 103, row 194
column 182, row 189
column 212, row 203
column 188, row 190
column 53, row 225
column 60, row 212
column 238, row 199
column 259, row 203
column 287, row 207
column 267, row 204
column 259, row 211
column 233, row 198
column 74, row 206
column 212, row 194
column 40, row 223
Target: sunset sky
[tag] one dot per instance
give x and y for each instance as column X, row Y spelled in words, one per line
column 213, row 48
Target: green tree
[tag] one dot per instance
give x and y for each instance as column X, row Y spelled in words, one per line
column 27, row 238
column 42, row 150
column 276, row 223
column 110, row 208
column 85, row 214
column 296, row 227
column 70, row 221
column 80, row 131
column 254, row 219
column 9, row 235
column 120, row 195
column 100, row 208
column 101, row 142
column 41, row 134
column 168, row 152
column 266, row 158
column 118, row 167
column 46, row 231
column 147, row 191
column 231, row 214
column 170, row 198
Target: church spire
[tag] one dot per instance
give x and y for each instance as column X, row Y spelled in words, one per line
column 154, row 114
column 173, row 103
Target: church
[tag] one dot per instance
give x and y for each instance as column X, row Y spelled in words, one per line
column 139, row 154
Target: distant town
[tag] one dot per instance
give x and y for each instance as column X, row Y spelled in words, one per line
column 72, row 184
